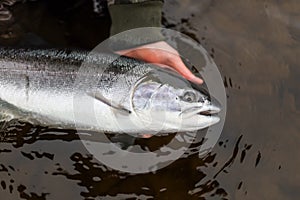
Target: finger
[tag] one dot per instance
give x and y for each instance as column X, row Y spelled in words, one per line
column 164, row 58
column 181, row 68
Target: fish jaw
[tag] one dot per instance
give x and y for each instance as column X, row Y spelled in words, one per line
column 200, row 117
column 198, row 122
column 147, row 122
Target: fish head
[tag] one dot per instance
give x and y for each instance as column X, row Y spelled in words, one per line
column 169, row 103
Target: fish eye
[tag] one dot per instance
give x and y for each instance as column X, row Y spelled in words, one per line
column 189, row 96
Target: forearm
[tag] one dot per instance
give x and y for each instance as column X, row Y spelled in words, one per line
column 131, row 14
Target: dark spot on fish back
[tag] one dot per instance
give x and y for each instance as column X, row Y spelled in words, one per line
column 27, row 87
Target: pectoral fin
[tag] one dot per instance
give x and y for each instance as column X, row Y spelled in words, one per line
column 9, row 111
column 110, row 103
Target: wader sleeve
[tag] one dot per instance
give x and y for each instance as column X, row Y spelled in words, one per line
column 130, row 14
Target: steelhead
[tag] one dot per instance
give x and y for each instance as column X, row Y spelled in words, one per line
column 100, row 92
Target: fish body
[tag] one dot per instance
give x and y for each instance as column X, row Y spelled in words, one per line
column 99, row 92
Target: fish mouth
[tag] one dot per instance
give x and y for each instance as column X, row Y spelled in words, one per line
column 210, row 111
column 206, row 113
column 205, row 110
column 200, row 117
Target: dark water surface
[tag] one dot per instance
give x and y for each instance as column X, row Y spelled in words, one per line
column 255, row 44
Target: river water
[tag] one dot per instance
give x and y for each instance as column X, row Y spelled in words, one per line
column 255, row 44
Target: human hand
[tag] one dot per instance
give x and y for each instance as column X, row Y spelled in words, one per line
column 161, row 54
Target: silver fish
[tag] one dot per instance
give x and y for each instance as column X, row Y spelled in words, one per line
column 99, row 92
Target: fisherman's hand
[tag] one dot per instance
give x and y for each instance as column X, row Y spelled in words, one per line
column 162, row 54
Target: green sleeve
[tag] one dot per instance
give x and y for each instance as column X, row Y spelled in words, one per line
column 130, row 14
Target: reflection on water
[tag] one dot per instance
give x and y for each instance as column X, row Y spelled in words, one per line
column 254, row 43
column 36, row 160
